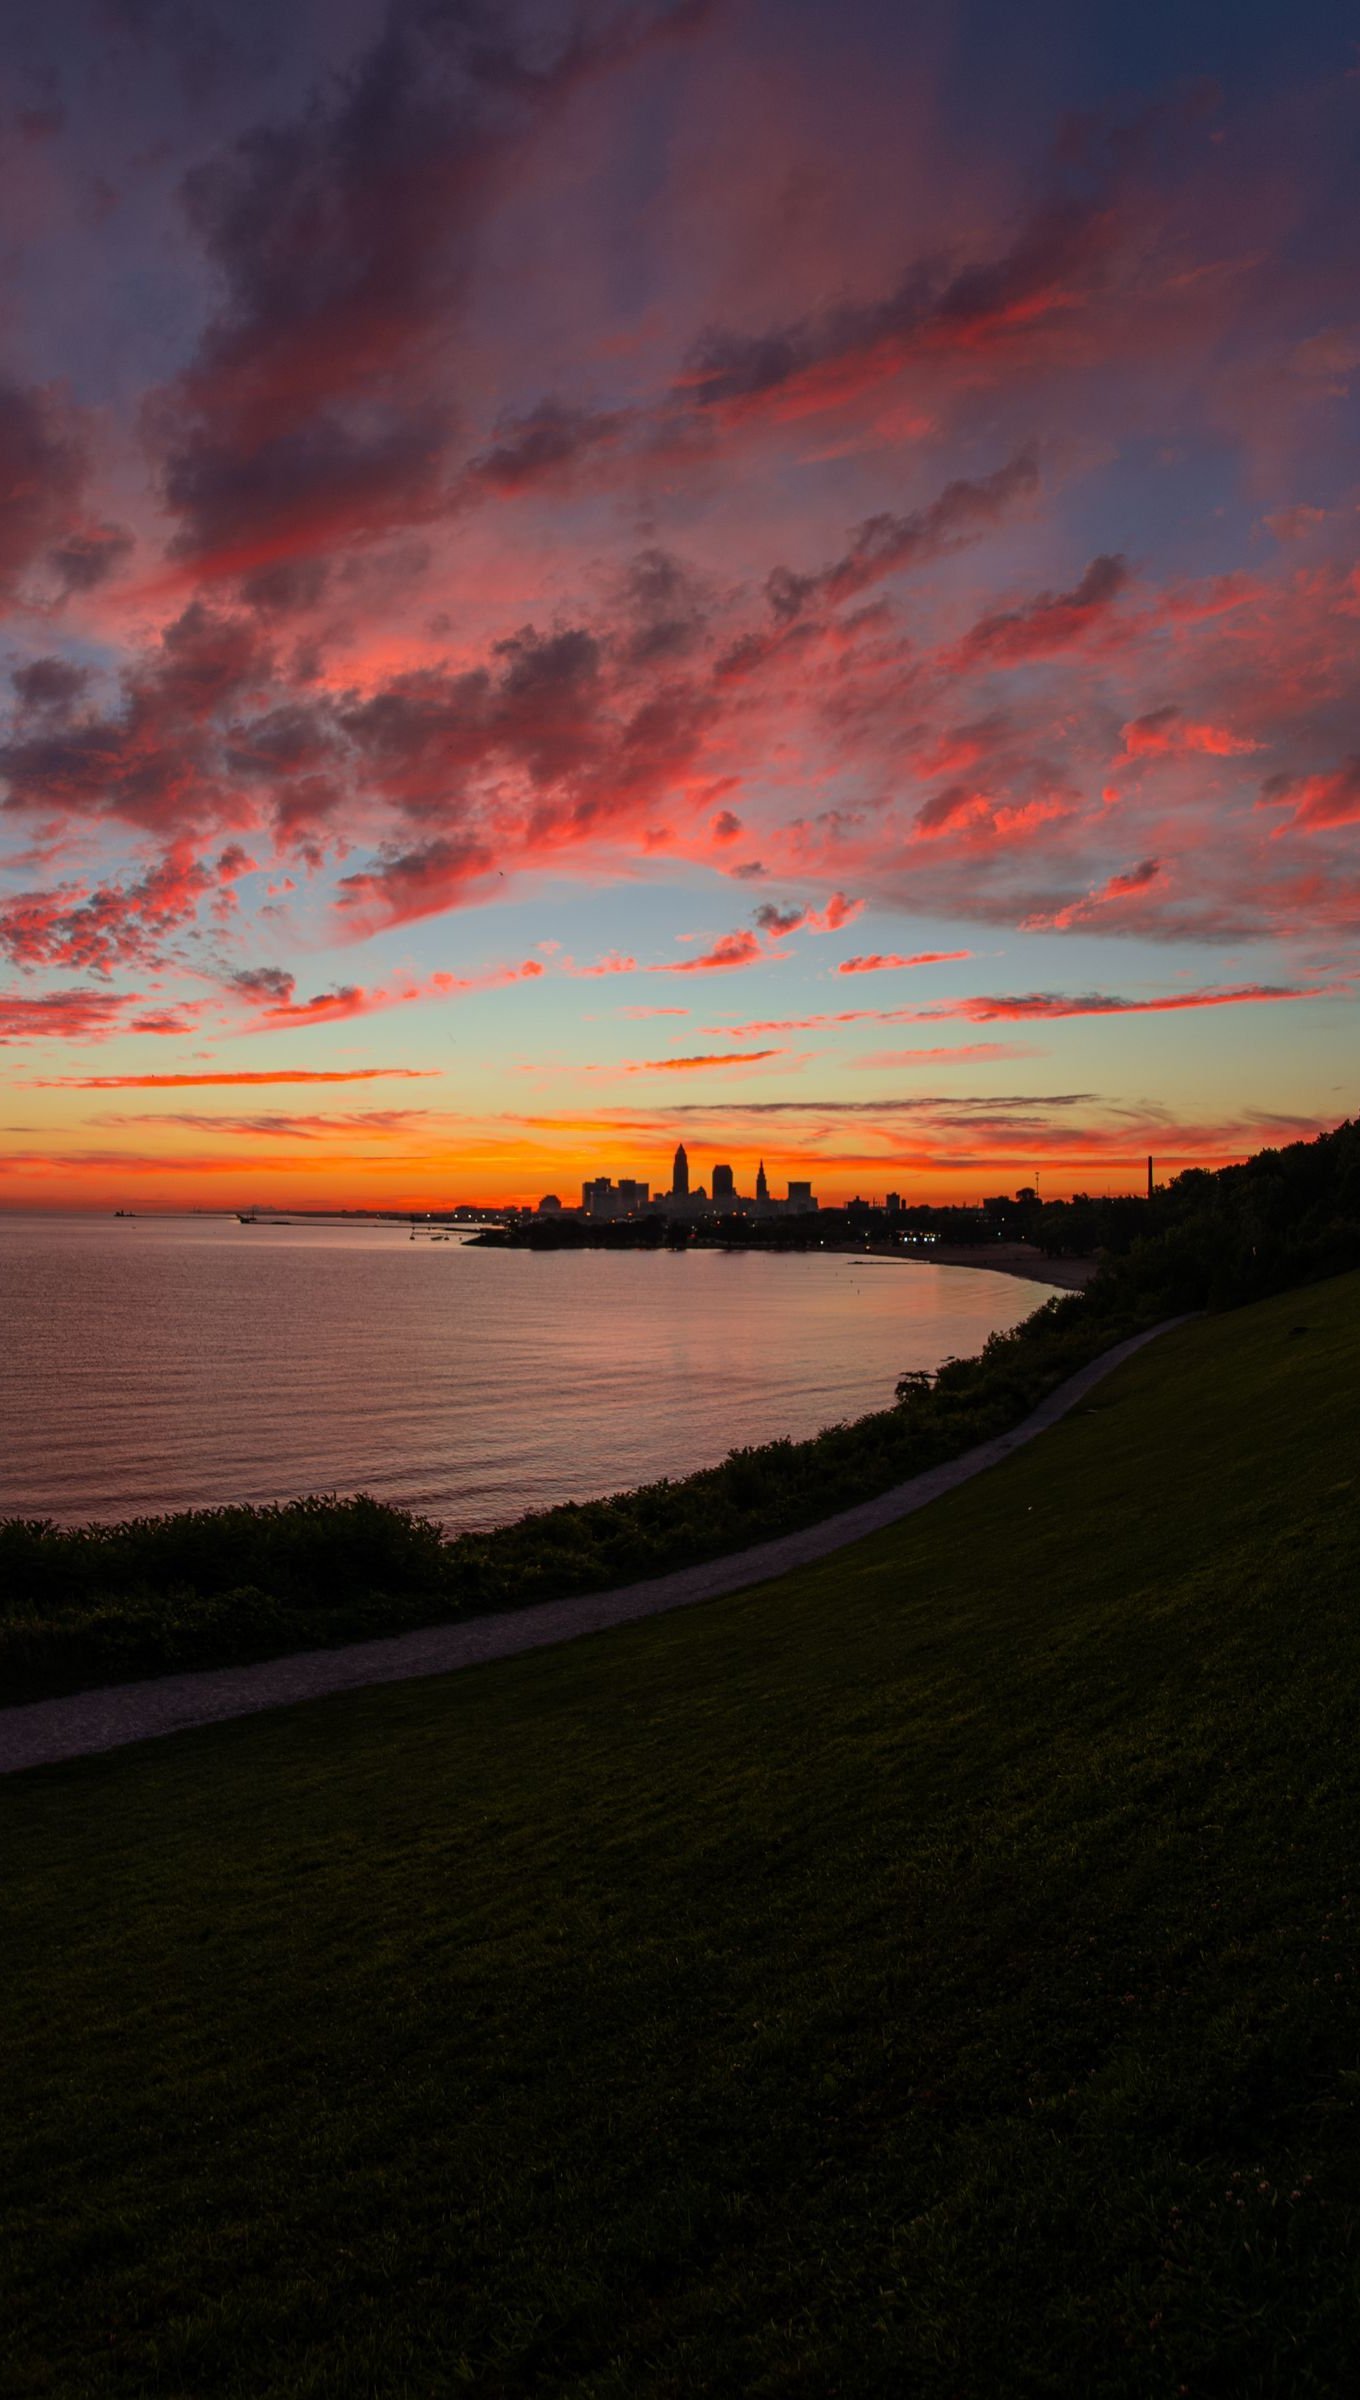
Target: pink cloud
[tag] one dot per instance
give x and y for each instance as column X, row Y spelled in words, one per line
column 779, row 922
column 72, row 1016
column 83, row 930
column 616, row 963
column 271, row 989
column 970, row 1053
column 875, row 961
column 1318, row 802
column 1129, row 885
column 1050, row 624
column 1165, row 733
column 175, row 1083
column 741, row 949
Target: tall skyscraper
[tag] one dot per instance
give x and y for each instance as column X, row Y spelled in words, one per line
column 680, row 1175
column 762, row 1187
column 724, row 1187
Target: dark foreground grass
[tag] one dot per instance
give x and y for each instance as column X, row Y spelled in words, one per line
column 937, row 1973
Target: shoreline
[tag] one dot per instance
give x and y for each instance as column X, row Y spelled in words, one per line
column 40, row 1733
column 1005, row 1258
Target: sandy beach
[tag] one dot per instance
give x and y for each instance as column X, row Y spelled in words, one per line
column 1004, row 1258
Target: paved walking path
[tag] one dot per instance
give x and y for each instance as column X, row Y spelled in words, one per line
column 48, row 1730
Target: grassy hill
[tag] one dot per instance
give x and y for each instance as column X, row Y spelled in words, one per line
column 935, row 1973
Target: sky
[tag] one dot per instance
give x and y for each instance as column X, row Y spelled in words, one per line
column 576, row 574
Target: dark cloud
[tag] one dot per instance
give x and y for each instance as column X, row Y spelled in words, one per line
column 960, row 1104
column 272, row 986
column 319, row 408
column 1052, row 263
column 407, row 884
column 48, row 683
column 423, row 736
column 84, row 559
column 1051, row 622
column 155, row 761
column 885, row 544
column 664, row 609
column 543, row 447
column 777, row 921
column 985, row 1009
column 42, row 472
column 288, row 587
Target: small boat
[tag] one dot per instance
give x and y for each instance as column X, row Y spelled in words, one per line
column 246, row 1216
column 125, row 1212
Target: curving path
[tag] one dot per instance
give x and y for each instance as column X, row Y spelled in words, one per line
column 45, row 1731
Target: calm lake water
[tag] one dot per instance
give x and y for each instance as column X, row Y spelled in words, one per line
column 157, row 1363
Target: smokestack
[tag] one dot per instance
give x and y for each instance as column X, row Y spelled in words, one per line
column 1149, row 1179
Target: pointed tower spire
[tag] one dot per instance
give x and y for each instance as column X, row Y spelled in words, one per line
column 762, row 1187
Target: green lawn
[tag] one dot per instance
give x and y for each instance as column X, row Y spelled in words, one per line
column 934, row 1973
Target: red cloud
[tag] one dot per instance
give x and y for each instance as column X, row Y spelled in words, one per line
column 717, row 1058
column 778, row 922
column 72, row 1016
column 410, row 884
column 158, row 761
column 113, row 925
column 1046, row 626
column 175, row 1083
column 745, row 948
column 945, row 1054
column 1317, row 802
column 741, row 949
column 958, row 813
column 272, row 986
column 875, row 960
column 1165, row 733
column 841, row 1016
column 1036, row 283
column 616, row 963
column 1147, row 876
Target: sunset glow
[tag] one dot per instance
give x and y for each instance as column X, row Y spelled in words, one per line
column 594, row 573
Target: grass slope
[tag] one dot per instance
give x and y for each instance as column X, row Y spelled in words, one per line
column 937, row 1972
